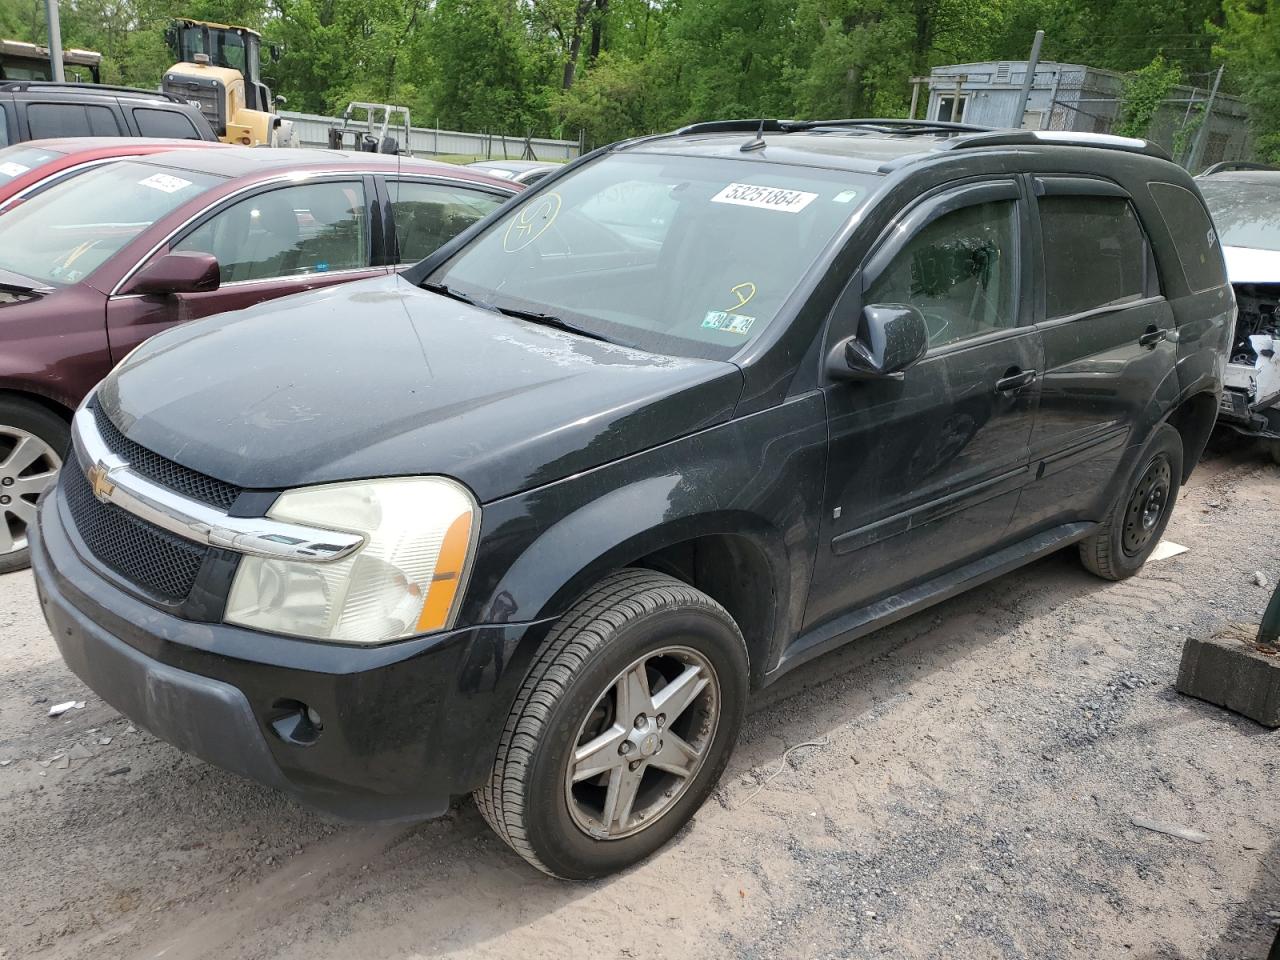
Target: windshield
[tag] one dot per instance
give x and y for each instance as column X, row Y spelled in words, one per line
column 19, row 160
column 689, row 256
column 225, row 48
column 1246, row 214
column 67, row 232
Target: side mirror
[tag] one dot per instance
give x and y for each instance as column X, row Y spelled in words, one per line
column 275, row 49
column 892, row 338
column 184, row 272
column 281, row 100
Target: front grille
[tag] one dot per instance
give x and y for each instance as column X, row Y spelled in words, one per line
column 205, row 92
column 160, row 563
column 163, row 471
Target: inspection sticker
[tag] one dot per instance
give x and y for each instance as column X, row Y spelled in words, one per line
column 164, row 182
column 11, row 169
column 727, row 322
column 845, row 196
column 766, row 198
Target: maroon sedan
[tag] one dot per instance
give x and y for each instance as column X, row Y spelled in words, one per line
column 93, row 266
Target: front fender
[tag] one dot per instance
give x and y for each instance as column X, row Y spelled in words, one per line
column 758, row 477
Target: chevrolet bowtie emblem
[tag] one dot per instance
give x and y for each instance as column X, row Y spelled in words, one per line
column 100, row 481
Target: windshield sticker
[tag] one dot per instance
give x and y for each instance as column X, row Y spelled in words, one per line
column 847, row 196
column 164, row 183
column 11, row 169
column 727, row 322
column 765, row 198
column 533, row 220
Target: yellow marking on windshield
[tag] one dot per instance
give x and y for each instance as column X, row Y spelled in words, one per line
column 532, row 222
column 745, row 292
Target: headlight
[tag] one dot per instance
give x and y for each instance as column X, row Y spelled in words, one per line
column 406, row 579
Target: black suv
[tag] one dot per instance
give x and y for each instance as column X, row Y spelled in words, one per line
column 534, row 518
column 36, row 110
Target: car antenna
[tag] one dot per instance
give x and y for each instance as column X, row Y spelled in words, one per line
column 756, row 144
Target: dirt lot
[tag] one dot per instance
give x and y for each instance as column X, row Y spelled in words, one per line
column 970, row 795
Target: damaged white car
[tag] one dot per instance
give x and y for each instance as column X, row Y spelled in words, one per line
column 1244, row 200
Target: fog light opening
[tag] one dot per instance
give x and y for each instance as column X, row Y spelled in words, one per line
column 296, row 723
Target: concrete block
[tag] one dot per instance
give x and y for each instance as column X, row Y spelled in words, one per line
column 1230, row 670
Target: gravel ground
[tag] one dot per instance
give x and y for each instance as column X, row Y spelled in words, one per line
column 967, row 791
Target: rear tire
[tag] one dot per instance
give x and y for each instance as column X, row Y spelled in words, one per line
column 33, row 442
column 1138, row 518
column 645, row 676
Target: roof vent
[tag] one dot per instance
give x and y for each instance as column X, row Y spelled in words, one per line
column 1002, row 73
column 201, row 58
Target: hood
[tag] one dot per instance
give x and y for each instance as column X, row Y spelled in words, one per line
column 379, row 378
column 1251, row 265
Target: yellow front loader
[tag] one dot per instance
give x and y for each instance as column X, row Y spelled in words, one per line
column 219, row 68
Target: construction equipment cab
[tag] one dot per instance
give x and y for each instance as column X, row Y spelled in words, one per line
column 219, row 68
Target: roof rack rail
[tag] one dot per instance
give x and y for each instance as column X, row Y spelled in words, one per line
column 1064, row 138
column 1224, row 166
column 878, row 124
column 21, row 86
column 891, row 125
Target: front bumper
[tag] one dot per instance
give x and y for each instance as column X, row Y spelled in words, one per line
column 405, row 726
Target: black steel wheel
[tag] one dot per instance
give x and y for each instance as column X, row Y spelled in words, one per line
column 1138, row 518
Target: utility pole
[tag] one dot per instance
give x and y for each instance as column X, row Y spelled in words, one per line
column 1020, row 108
column 1197, row 151
column 55, row 40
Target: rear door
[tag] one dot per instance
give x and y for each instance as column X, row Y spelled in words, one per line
column 1108, row 340
column 271, row 243
column 924, row 469
column 428, row 212
column 51, row 119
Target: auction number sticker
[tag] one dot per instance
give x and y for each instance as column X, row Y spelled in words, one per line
column 765, row 198
column 164, row 182
column 11, row 169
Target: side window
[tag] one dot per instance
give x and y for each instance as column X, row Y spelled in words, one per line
column 169, row 124
column 959, row 270
column 1095, row 253
column 5, row 139
column 1197, row 245
column 428, row 215
column 293, row 231
column 71, row 120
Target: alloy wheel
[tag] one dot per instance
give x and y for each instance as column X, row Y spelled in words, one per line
column 642, row 743
column 28, row 466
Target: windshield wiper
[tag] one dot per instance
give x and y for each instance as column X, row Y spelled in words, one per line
column 16, row 281
column 446, row 291
column 544, row 319
column 556, row 323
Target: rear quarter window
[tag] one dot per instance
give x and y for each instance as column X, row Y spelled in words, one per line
column 170, row 124
column 48, row 120
column 1195, row 238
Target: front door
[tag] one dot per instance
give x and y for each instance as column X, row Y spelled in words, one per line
column 924, row 471
column 1109, row 346
column 271, row 244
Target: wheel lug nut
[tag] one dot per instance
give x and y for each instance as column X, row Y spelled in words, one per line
column 624, row 747
column 635, row 764
column 640, row 720
column 4, row 499
column 7, row 481
column 662, row 720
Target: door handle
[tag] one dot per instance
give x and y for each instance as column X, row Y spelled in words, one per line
column 1153, row 336
column 1013, row 381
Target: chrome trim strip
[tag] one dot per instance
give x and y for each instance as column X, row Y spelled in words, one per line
column 297, row 176
column 114, row 482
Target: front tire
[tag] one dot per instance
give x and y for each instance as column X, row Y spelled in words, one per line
column 1139, row 516
column 621, row 729
column 33, row 441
